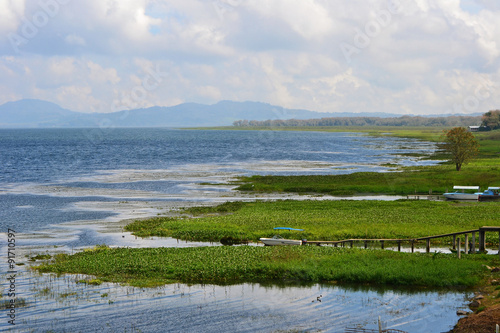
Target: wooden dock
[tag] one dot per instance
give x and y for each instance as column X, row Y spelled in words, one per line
column 456, row 244
column 425, row 197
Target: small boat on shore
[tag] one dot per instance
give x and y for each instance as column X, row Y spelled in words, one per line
column 492, row 193
column 461, row 194
column 278, row 240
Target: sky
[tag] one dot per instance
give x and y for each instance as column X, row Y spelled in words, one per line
column 400, row 56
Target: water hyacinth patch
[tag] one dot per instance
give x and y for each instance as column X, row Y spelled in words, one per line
column 222, row 265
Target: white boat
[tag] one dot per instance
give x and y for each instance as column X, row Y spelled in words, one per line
column 278, row 240
column 461, row 194
column 492, row 193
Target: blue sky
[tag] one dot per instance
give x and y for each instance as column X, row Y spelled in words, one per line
column 399, row 56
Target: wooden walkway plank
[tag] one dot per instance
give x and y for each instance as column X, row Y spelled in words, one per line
column 411, row 241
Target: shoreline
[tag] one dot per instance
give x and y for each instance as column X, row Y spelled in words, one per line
column 147, row 210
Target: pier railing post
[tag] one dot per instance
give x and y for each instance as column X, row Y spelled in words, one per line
column 482, row 240
column 458, row 247
column 454, row 241
column 399, row 246
column 473, row 248
column 382, row 244
column 428, row 246
column 412, row 246
column 466, row 244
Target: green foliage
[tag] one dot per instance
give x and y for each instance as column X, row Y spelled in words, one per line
column 480, row 309
column 94, row 282
column 461, row 145
column 150, row 227
column 227, row 207
column 41, row 257
column 278, row 264
column 403, row 121
column 491, row 119
column 332, row 220
column 421, row 180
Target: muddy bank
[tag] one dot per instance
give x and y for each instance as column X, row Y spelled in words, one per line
column 483, row 322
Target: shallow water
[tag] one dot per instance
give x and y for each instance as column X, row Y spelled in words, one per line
column 63, row 305
column 63, row 191
column 52, row 176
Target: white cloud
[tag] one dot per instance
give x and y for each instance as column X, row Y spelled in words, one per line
column 10, row 15
column 99, row 74
column 425, row 58
column 75, row 40
column 307, row 18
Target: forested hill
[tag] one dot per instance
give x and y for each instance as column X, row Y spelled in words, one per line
column 451, row 121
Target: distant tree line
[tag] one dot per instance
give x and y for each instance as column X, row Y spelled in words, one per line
column 491, row 119
column 450, row 121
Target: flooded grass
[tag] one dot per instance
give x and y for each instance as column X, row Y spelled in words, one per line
column 262, row 307
column 7, row 304
column 311, row 264
column 327, row 220
column 40, row 257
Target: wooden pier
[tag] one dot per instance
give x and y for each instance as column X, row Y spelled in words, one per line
column 425, row 197
column 456, row 244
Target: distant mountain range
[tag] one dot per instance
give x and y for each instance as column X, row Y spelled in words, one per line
column 32, row 113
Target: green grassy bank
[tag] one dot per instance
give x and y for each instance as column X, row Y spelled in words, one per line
column 483, row 171
column 222, row 265
column 324, row 220
column 407, row 181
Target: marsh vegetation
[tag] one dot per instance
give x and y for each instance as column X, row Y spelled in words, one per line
column 299, row 264
column 322, row 220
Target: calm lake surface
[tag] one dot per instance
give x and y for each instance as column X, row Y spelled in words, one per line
column 62, row 190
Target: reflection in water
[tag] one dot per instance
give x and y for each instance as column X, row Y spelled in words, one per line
column 63, row 305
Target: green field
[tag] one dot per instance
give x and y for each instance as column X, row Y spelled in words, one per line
column 325, row 220
column 407, row 181
column 292, row 264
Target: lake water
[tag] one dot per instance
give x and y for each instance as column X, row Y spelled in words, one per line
column 62, row 190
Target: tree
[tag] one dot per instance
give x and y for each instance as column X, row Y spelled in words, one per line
column 491, row 119
column 461, row 144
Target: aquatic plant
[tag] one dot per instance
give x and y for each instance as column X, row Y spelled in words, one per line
column 328, row 220
column 220, row 265
column 41, row 257
column 19, row 302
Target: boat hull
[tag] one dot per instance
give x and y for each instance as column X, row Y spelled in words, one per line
column 274, row 241
column 461, row 196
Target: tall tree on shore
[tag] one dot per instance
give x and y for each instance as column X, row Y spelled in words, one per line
column 461, row 144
